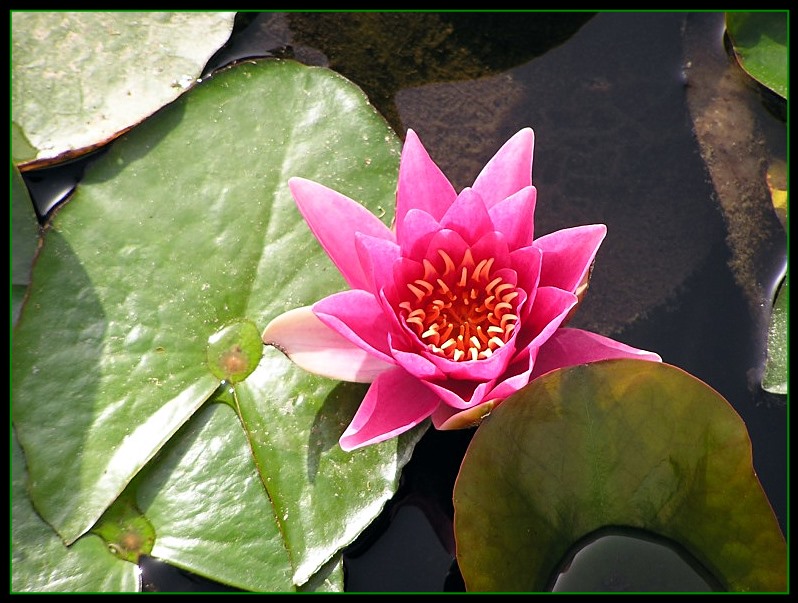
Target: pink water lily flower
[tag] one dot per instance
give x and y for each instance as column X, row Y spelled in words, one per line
column 453, row 310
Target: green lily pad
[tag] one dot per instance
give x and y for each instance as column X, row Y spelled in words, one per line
column 329, row 579
column 207, row 504
column 185, row 226
column 24, row 240
column 621, row 443
column 81, row 78
column 218, row 523
column 775, row 377
column 40, row 562
column 760, row 45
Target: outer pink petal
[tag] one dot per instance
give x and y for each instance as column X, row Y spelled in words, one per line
column 395, row 402
column 334, row 219
column 468, row 216
column 519, row 376
column 568, row 254
column 356, row 315
column 549, row 310
column 422, row 185
column 509, row 170
column 569, row 347
column 514, row 217
column 313, row 346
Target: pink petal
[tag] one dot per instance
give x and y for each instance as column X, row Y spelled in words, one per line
column 395, row 402
column 568, row 254
column 422, row 185
column 419, row 227
column 509, row 170
column 404, row 271
column 449, row 241
column 492, row 245
column 468, row 216
column 301, row 336
column 549, row 310
column 475, row 370
column 334, row 219
column 377, row 257
column 413, row 362
column 517, row 376
column 357, row 316
column 460, row 394
column 527, row 262
column 514, row 217
column 446, row 417
column 569, row 347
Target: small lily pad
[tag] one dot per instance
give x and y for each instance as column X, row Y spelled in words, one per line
column 126, row 532
column 775, row 377
column 760, row 45
column 235, row 351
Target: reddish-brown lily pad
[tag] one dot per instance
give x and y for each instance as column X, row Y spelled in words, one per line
column 614, row 443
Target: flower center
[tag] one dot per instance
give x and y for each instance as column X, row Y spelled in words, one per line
column 464, row 313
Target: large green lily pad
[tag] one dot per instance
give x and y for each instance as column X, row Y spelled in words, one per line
column 759, row 40
column 616, row 443
column 185, row 227
column 81, row 78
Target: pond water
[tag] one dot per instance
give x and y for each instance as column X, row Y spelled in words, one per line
column 613, row 99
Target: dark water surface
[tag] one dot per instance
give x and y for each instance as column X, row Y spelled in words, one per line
column 612, row 98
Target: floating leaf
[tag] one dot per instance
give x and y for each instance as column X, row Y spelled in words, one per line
column 185, row 226
column 126, row 532
column 235, row 351
column 614, row 443
column 775, row 377
column 207, row 504
column 81, row 78
column 40, row 562
column 205, row 497
column 760, row 45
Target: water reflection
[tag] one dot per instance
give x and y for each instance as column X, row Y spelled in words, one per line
column 624, row 559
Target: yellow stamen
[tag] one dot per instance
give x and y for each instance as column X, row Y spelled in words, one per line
column 463, row 313
column 416, row 291
column 424, row 284
column 449, row 264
